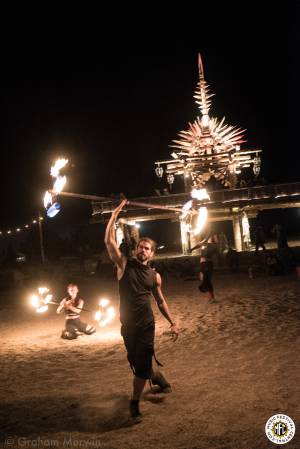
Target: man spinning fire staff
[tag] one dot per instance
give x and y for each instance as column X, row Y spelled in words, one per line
column 72, row 306
column 138, row 282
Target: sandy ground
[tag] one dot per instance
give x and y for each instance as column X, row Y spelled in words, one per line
column 235, row 365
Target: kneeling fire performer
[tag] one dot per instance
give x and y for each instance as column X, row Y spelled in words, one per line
column 72, row 306
column 137, row 283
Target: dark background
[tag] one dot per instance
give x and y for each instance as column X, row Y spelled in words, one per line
column 111, row 92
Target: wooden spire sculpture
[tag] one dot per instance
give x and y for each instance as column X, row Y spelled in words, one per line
column 208, row 148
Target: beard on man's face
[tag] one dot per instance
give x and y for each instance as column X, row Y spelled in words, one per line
column 141, row 256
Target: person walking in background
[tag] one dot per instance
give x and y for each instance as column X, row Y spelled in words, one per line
column 280, row 234
column 208, row 248
column 259, row 238
column 223, row 247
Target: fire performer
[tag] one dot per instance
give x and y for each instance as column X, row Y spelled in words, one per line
column 137, row 283
column 208, row 247
column 72, row 306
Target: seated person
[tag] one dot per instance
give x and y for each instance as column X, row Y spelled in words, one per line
column 72, row 306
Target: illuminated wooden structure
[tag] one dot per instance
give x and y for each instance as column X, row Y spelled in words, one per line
column 226, row 204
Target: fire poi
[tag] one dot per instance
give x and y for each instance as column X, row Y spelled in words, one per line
column 195, row 222
column 41, row 299
column 104, row 315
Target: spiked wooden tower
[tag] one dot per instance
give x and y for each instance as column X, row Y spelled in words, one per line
column 208, row 148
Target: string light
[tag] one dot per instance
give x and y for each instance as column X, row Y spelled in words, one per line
column 18, row 230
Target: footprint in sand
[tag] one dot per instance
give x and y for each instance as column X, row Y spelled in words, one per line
column 109, row 353
column 105, row 414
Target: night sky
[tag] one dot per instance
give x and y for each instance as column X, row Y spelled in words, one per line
column 111, row 93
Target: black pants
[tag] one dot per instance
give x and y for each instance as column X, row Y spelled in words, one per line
column 206, row 268
column 75, row 327
column 139, row 344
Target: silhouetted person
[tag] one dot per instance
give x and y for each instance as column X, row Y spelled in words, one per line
column 259, row 237
column 232, row 259
column 274, row 267
column 223, row 247
column 280, row 235
column 208, row 248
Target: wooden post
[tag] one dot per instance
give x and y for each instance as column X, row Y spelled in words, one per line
column 41, row 238
column 185, row 238
column 237, row 231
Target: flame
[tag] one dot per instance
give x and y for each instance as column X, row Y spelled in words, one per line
column 59, row 183
column 187, row 205
column 47, row 199
column 35, row 301
column 186, row 209
column 59, row 164
column 200, row 194
column 105, row 314
column 188, row 212
column 201, row 220
column 42, row 309
column 41, row 300
column 98, row 315
column 110, row 313
column 48, row 299
column 104, row 302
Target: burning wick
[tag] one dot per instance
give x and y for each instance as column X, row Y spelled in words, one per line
column 202, row 213
column 41, row 300
column 105, row 314
column 53, row 207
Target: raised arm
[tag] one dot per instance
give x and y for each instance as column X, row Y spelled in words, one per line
column 110, row 239
column 199, row 244
column 163, row 306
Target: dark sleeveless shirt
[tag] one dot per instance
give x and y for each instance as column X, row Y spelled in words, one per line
column 69, row 314
column 135, row 288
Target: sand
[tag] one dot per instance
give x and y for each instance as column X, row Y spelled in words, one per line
column 235, row 364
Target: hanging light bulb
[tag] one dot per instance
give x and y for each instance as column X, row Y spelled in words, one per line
column 170, row 178
column 256, row 165
column 159, row 171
